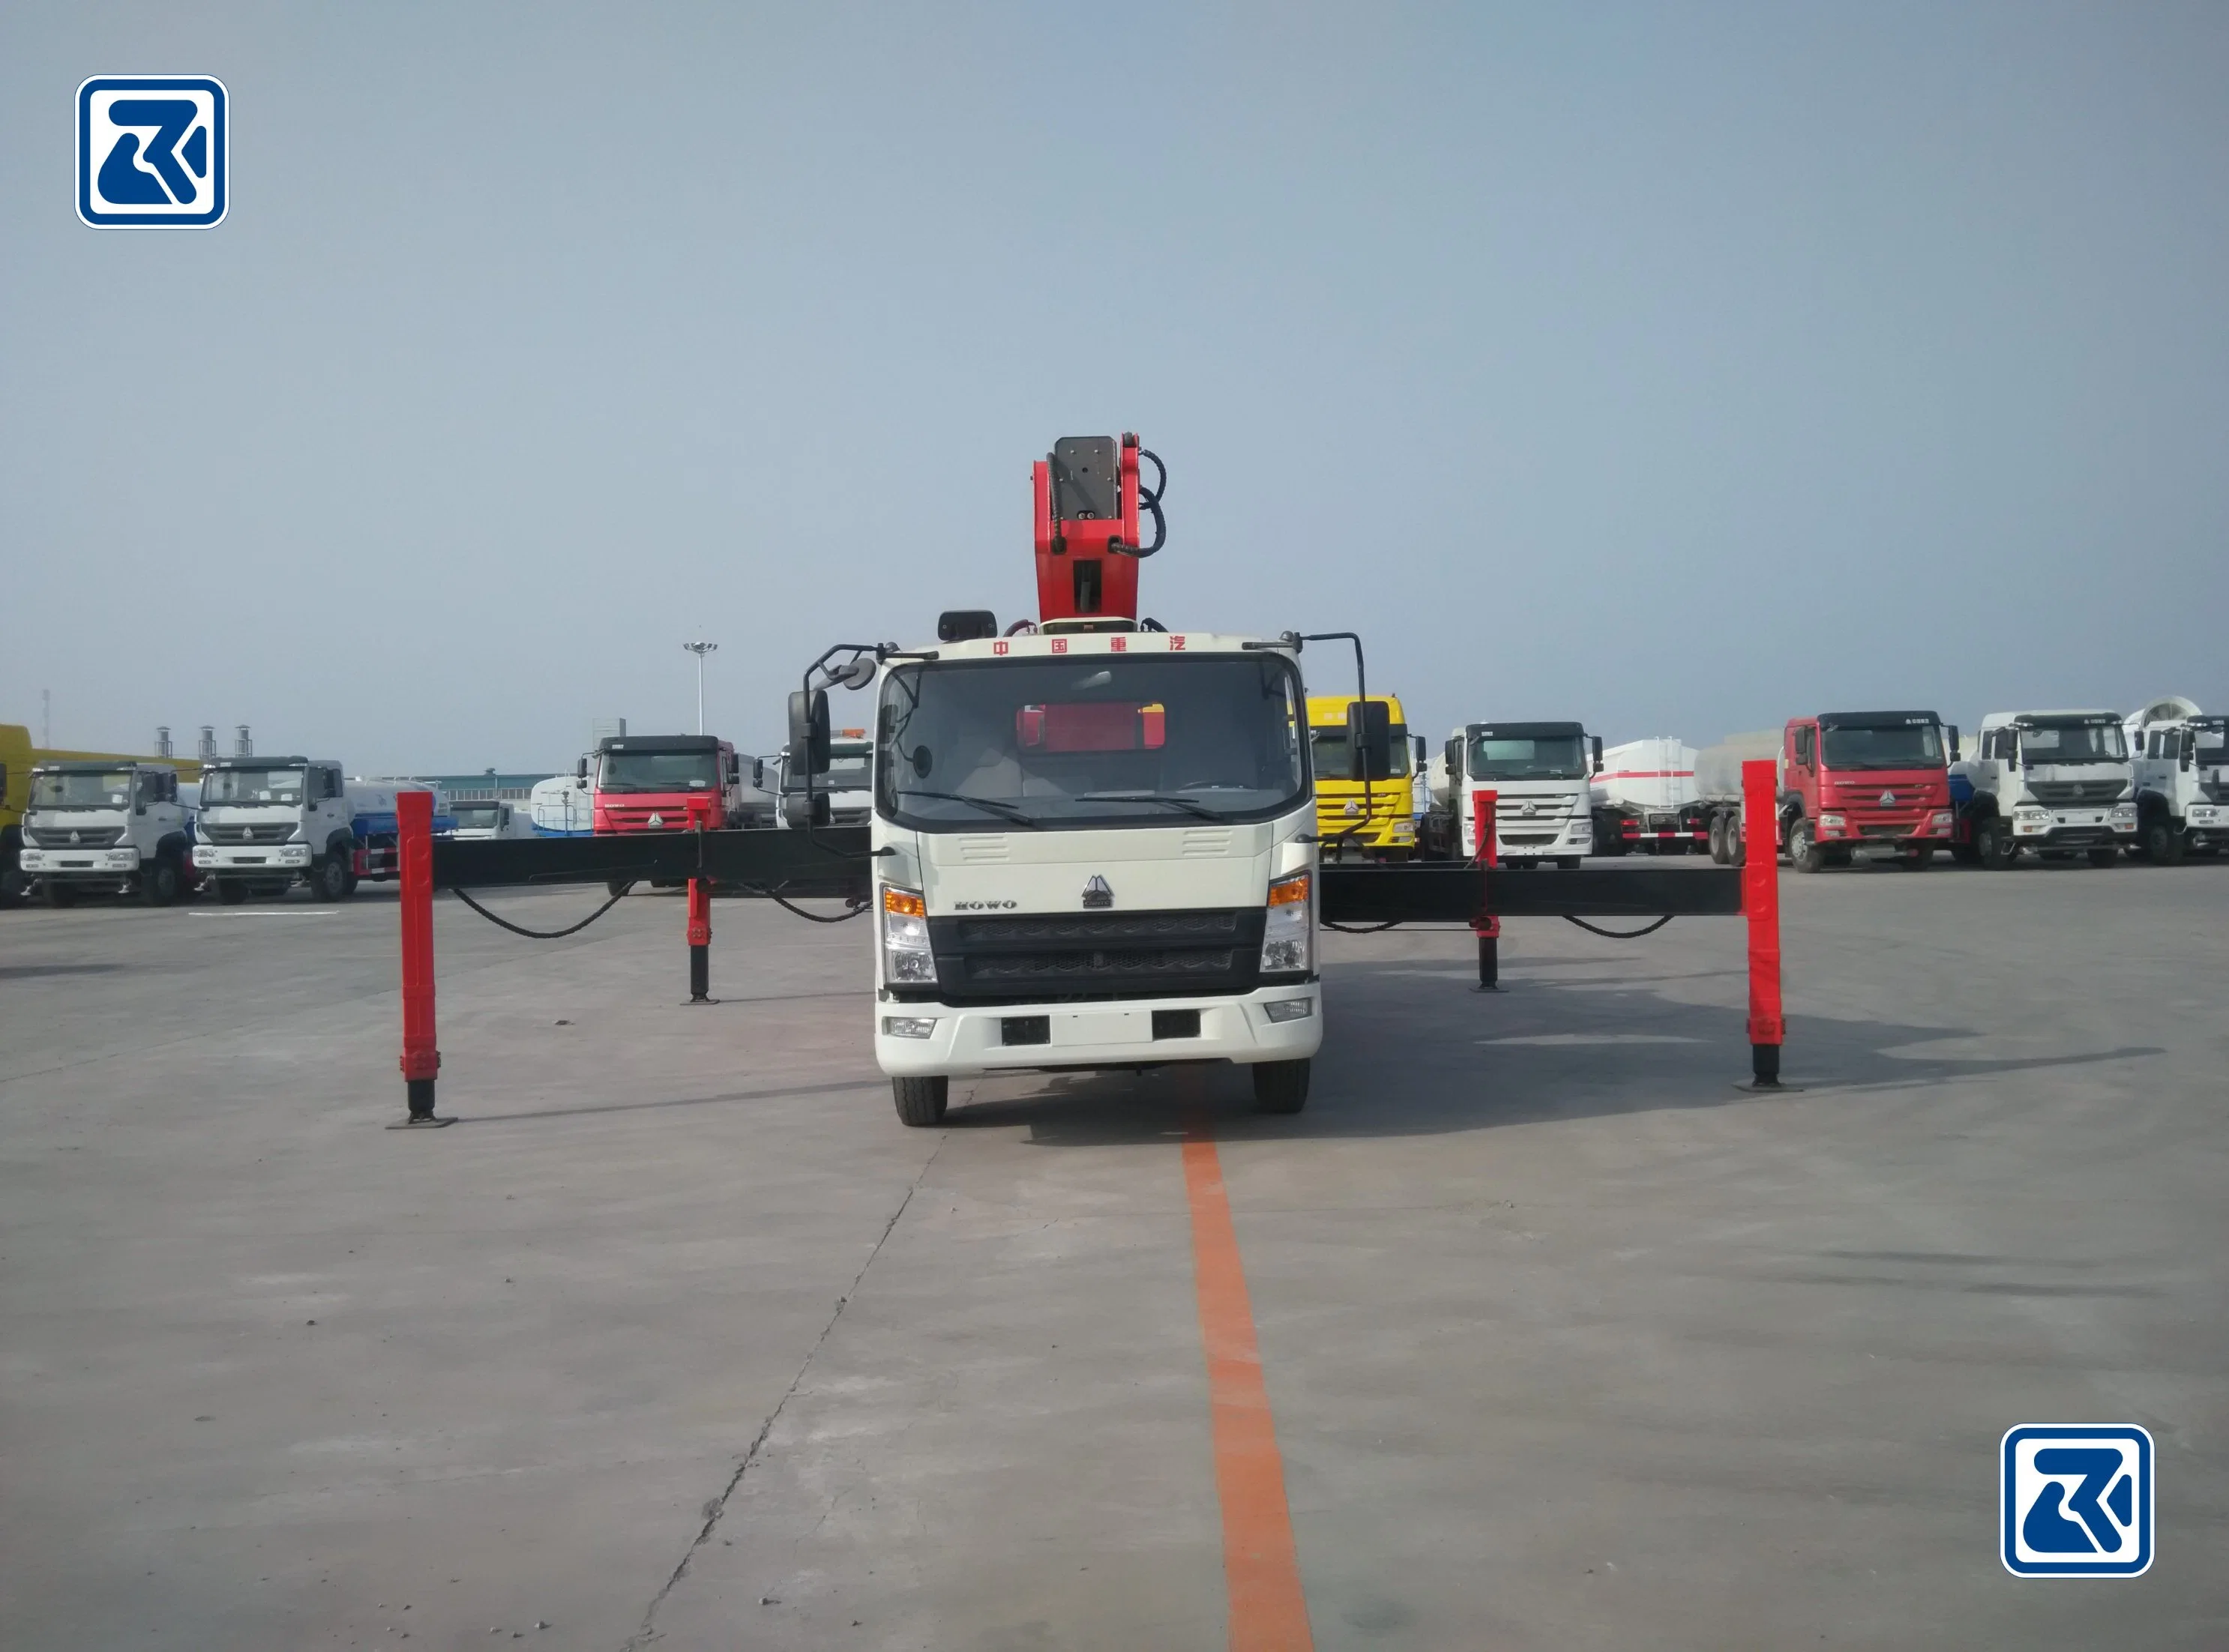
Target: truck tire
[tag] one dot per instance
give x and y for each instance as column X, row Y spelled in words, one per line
column 159, row 882
column 1717, row 840
column 2162, row 844
column 1964, row 854
column 329, row 878
column 1281, row 1087
column 54, row 893
column 1804, row 851
column 1993, row 841
column 921, row 1101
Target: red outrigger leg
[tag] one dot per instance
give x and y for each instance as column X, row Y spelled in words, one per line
column 1486, row 925
column 422, row 1057
column 1760, row 904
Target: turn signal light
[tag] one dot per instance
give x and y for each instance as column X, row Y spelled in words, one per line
column 1287, row 891
column 903, row 903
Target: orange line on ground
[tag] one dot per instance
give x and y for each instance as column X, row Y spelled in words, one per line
column 1261, row 1568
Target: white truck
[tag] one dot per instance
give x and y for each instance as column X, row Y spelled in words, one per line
column 106, row 828
column 2054, row 783
column 491, row 817
column 2180, row 758
column 1539, row 774
column 266, row 822
column 563, row 806
column 841, row 794
column 1096, row 849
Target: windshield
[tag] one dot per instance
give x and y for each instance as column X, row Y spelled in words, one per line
column 81, row 789
column 851, row 768
column 1903, row 745
column 1334, row 762
column 251, row 785
column 658, row 771
column 2072, row 742
column 477, row 814
column 1540, row 757
column 1099, row 741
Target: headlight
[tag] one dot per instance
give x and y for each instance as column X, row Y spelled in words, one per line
column 1284, row 1009
column 2028, row 811
column 1940, row 820
column 1830, row 822
column 906, row 960
column 1287, row 935
column 2124, row 814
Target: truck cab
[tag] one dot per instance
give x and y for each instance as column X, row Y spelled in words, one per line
column 268, row 823
column 106, row 828
column 1375, row 818
column 664, row 783
column 1096, row 849
column 1855, row 781
column 2050, row 783
column 491, row 817
column 1539, row 774
column 2180, row 767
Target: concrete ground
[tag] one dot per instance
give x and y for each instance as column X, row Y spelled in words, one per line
column 679, row 1338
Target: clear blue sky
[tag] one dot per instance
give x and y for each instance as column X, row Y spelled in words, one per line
column 1678, row 369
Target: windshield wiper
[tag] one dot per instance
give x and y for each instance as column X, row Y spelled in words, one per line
column 1184, row 804
column 989, row 805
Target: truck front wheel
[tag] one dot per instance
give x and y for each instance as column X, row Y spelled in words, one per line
column 1804, row 851
column 1993, row 840
column 2162, row 843
column 921, row 1101
column 159, row 881
column 1281, row 1087
column 329, row 879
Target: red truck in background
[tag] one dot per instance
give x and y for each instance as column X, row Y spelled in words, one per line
column 664, row 783
column 1849, row 780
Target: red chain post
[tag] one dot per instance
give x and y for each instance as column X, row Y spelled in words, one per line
column 1760, row 904
column 422, row 1057
column 1485, row 925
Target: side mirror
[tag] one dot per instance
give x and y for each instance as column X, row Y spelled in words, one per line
column 808, row 729
column 1369, row 739
column 1951, row 748
column 2187, row 749
column 581, row 770
column 855, row 673
column 793, row 809
column 1596, row 754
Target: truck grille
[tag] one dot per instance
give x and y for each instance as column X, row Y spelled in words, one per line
column 81, row 837
column 2058, row 794
column 275, row 831
column 1067, row 955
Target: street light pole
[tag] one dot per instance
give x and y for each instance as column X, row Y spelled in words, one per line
column 700, row 649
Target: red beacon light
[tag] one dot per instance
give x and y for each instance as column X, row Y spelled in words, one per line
column 1089, row 492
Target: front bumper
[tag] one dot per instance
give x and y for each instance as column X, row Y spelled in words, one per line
column 89, row 863
column 259, row 858
column 2074, row 827
column 1888, row 831
column 1516, row 838
column 967, row 1041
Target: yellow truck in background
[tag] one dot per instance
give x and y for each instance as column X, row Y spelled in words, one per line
column 17, row 756
column 1378, row 826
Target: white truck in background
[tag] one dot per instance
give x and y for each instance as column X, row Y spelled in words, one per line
column 1539, row 773
column 1644, row 797
column 2054, row 784
column 106, row 828
column 843, row 795
column 2181, row 759
column 491, row 817
column 268, row 823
